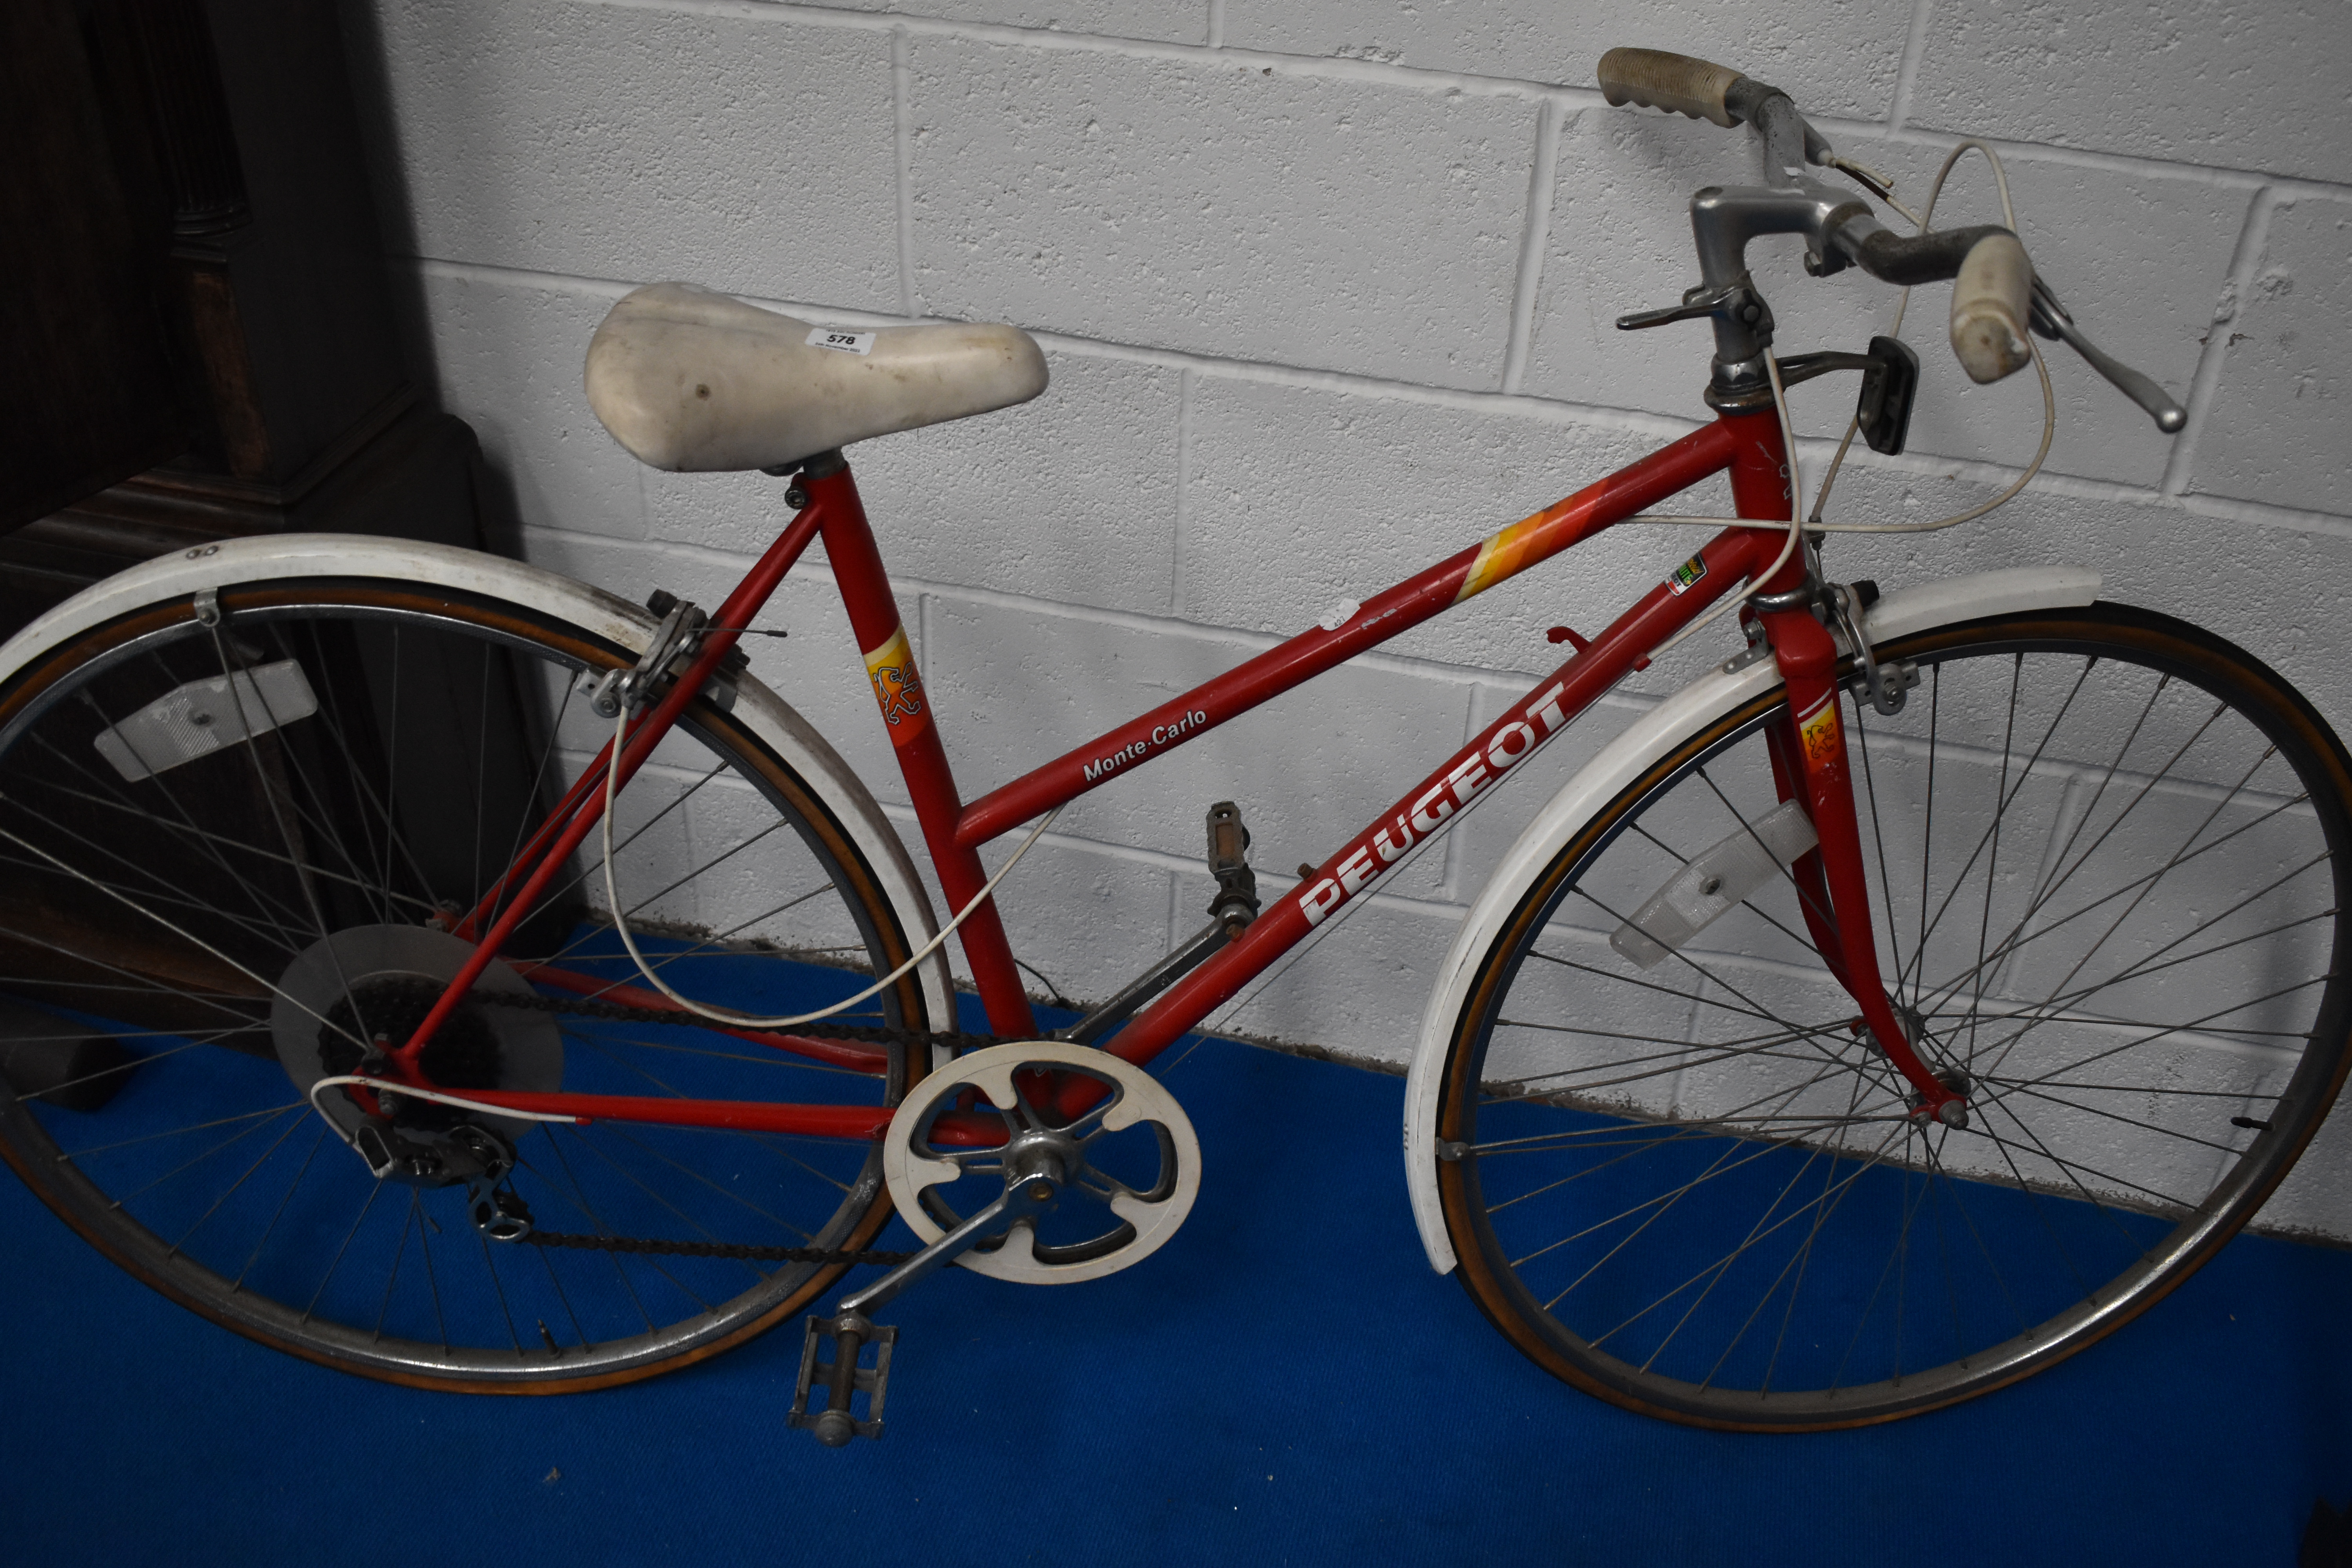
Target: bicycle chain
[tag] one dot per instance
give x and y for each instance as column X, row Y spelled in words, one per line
column 716, row 1249
column 621, row 1013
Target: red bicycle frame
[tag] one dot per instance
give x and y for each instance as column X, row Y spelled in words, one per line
column 1808, row 756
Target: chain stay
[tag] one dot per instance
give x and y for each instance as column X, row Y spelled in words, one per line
column 618, row 1012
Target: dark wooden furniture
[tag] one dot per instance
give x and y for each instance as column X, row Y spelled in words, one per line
column 86, row 378
column 200, row 344
column 202, row 326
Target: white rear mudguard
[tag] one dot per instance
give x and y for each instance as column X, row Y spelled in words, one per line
column 1620, row 762
column 592, row 609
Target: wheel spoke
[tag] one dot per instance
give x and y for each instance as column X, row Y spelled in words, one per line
column 184, row 917
column 2107, row 905
column 2002, row 799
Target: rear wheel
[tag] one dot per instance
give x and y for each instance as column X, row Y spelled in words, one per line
column 232, row 852
column 2107, row 857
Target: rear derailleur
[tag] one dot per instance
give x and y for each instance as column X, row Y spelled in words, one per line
column 463, row 1152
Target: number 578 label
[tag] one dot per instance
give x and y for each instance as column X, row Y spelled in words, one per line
column 841, row 341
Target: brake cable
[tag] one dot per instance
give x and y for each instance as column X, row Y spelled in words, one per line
column 1902, row 305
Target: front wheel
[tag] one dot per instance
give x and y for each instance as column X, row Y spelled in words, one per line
column 234, row 848
column 2108, row 863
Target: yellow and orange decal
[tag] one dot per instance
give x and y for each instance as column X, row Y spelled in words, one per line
column 1504, row 555
column 898, row 688
column 1524, row 543
column 1819, row 731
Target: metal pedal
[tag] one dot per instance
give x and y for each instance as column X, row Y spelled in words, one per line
column 840, row 1379
column 1230, row 913
column 1235, row 904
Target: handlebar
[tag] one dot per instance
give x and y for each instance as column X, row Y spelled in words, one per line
column 1703, row 91
column 1993, row 297
column 1677, row 83
column 1996, row 296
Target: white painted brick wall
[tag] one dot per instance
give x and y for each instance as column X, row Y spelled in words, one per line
column 1326, row 288
column 1560, row 43
column 1219, row 208
column 2253, row 85
column 624, row 142
column 2289, row 364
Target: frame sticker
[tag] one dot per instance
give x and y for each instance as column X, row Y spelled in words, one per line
column 834, row 338
column 897, row 689
column 1819, row 731
column 1687, row 574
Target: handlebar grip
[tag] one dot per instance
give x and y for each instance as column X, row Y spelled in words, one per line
column 1991, row 300
column 1677, row 83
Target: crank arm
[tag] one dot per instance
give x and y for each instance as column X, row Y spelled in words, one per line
column 1149, row 983
column 1019, row 1200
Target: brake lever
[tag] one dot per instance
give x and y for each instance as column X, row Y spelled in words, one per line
column 2050, row 320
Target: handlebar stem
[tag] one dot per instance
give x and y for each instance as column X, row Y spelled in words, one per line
column 1724, row 218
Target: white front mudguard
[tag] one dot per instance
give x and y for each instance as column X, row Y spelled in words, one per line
column 1898, row 614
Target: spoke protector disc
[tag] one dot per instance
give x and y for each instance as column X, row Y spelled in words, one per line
column 1128, row 1164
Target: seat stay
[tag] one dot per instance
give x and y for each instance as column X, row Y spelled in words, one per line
column 566, row 829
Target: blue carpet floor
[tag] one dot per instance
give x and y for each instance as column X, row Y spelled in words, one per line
column 1284, row 1382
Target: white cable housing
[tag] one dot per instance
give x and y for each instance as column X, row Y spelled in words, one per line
column 744, row 1020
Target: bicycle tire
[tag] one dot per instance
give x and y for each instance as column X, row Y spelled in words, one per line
column 1664, row 1186
column 443, row 721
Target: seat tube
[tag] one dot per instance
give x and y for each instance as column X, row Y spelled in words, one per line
column 909, row 712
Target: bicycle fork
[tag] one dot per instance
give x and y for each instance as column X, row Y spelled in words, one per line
column 1808, row 750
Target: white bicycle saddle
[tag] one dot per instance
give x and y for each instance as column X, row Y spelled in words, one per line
column 693, row 381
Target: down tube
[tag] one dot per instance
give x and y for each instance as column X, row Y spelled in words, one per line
column 1728, row 559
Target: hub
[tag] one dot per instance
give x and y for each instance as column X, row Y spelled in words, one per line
column 1952, row 1114
column 385, row 1009
column 349, row 996
column 1037, row 1163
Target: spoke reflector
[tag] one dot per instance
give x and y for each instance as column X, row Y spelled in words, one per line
column 1712, row 882
column 200, row 717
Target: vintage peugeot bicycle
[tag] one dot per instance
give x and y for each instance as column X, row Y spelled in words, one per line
column 466, row 977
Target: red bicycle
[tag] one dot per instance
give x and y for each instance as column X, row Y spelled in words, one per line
column 462, row 976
